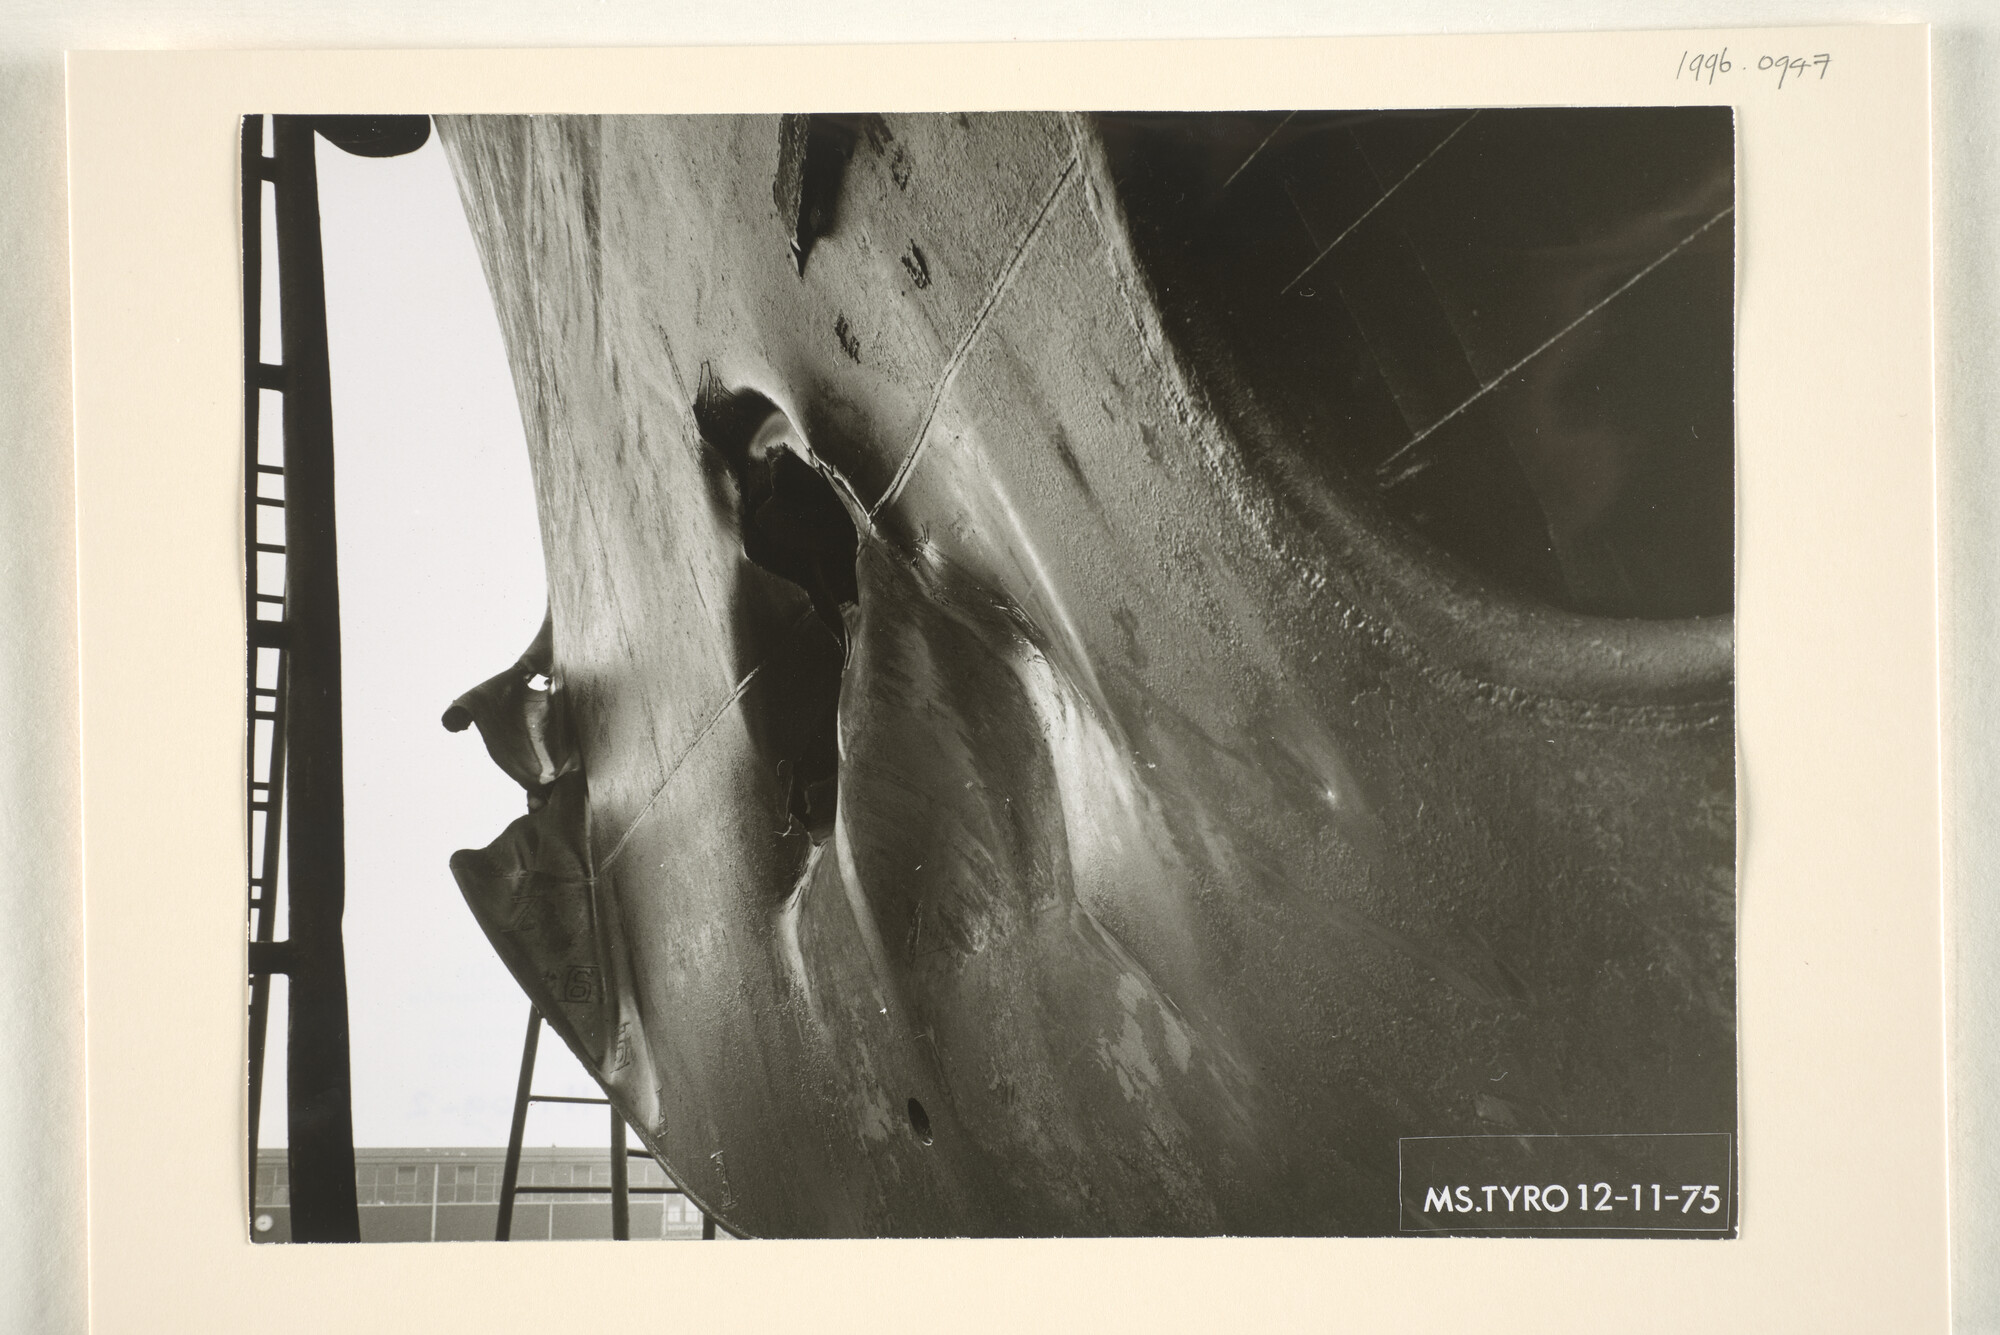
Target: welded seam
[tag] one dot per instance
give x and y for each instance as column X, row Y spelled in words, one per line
column 958, row 354
column 1551, row 341
column 1384, row 199
column 675, row 768
column 1303, row 220
column 1255, row 151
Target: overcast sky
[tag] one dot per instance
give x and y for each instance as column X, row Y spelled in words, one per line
column 441, row 585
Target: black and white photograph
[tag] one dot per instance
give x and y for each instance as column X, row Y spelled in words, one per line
column 1007, row 674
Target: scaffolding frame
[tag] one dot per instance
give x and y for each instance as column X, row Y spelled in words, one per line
column 298, row 790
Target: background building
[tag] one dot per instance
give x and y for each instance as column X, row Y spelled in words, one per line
column 453, row 1195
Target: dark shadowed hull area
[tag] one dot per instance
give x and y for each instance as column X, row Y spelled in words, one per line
column 1103, row 670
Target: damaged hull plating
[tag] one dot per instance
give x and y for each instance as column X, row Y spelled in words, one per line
column 1153, row 830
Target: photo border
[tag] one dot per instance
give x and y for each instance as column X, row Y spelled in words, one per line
column 1841, row 992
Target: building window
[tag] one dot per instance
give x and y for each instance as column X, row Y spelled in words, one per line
column 273, row 1185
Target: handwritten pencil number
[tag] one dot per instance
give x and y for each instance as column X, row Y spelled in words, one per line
column 1795, row 67
column 1704, row 66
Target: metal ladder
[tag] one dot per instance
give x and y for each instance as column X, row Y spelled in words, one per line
column 621, row 1190
column 295, row 618
column 299, row 713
